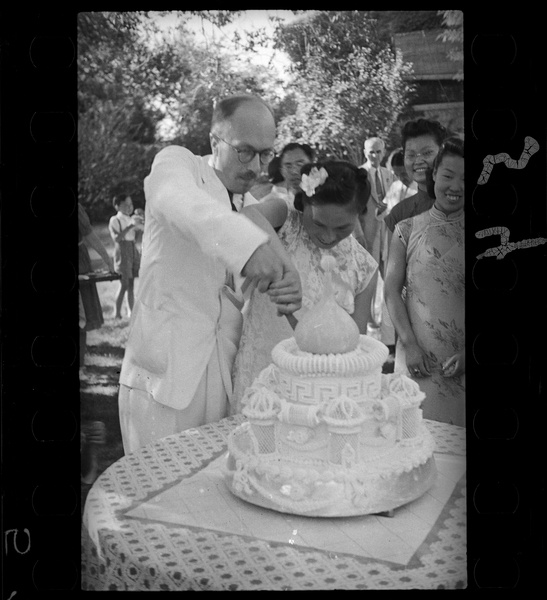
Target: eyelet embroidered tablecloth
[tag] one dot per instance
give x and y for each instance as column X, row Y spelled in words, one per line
column 163, row 519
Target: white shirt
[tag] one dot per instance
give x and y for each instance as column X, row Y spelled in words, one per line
column 119, row 222
column 399, row 191
column 281, row 192
column 386, row 178
column 191, row 239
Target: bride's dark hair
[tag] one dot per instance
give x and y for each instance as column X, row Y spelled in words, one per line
column 345, row 184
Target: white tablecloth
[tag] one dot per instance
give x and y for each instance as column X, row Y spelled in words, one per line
column 163, row 519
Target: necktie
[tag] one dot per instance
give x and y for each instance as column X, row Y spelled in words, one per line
column 229, row 276
column 379, row 189
column 231, row 195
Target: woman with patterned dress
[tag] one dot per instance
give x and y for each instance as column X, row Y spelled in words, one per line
column 426, row 256
column 320, row 223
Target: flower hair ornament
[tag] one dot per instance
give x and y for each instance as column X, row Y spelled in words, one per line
column 310, row 182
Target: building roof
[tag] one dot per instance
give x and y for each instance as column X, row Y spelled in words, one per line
column 428, row 54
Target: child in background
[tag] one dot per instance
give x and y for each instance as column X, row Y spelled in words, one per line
column 126, row 254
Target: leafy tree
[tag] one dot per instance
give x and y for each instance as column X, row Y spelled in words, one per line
column 347, row 82
column 109, row 153
column 453, row 35
column 214, row 70
column 139, row 88
column 116, row 124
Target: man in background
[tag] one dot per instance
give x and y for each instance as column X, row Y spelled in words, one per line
column 380, row 179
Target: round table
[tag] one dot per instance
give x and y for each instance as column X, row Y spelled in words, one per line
column 162, row 518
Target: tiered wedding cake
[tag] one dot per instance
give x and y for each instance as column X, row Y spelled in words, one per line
column 327, row 433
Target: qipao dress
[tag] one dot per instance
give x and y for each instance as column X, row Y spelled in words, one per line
column 435, row 292
column 263, row 328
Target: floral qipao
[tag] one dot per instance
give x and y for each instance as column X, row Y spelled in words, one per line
column 263, row 328
column 435, row 291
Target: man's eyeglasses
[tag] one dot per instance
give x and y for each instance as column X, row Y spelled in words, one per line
column 246, row 155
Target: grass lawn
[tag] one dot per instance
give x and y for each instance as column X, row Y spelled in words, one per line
column 103, row 360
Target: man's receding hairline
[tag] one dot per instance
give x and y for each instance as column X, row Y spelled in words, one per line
column 221, row 116
column 375, row 140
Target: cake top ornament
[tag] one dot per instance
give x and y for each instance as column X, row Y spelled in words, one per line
column 327, row 328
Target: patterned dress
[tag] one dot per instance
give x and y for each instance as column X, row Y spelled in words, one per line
column 263, row 329
column 435, row 291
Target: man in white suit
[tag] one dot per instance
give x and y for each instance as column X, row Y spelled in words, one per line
column 184, row 330
column 380, row 179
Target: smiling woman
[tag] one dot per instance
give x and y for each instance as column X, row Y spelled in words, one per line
column 421, row 140
column 448, row 178
column 427, row 257
column 328, row 224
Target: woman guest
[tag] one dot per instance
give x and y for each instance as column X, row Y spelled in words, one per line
column 126, row 254
column 401, row 188
column 320, row 223
column 291, row 160
column 427, row 256
column 421, row 140
column 91, row 312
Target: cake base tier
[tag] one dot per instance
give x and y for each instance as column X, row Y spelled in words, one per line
column 350, row 493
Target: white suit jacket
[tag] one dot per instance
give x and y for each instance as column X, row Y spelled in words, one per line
column 191, row 238
column 370, row 221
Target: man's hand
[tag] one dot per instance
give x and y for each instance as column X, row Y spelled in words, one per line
column 263, row 268
column 287, row 292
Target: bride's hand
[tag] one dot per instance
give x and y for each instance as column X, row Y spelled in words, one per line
column 454, row 366
column 417, row 361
